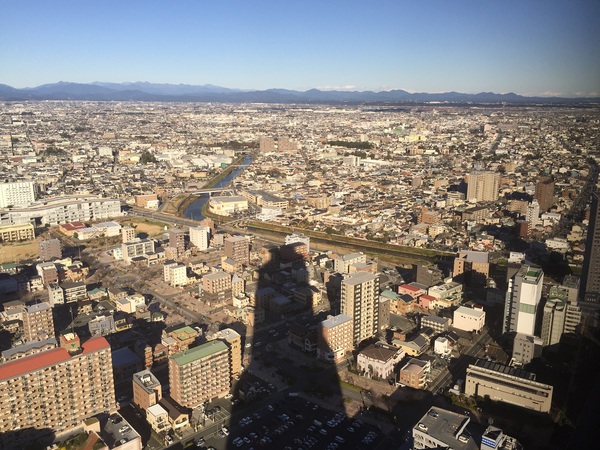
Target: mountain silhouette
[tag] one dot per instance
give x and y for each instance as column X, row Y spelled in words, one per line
column 144, row 91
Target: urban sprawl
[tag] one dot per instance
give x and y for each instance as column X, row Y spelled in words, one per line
column 297, row 276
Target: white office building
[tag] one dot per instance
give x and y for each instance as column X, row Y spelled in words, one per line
column 54, row 211
column 522, row 300
column 17, row 193
column 200, row 237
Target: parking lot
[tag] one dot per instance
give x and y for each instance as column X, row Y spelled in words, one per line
column 292, row 422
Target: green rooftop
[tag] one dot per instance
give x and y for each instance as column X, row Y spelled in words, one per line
column 200, row 352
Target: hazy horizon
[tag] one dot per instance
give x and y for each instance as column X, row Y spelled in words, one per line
column 534, row 48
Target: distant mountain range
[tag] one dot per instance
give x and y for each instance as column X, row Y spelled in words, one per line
column 143, row 91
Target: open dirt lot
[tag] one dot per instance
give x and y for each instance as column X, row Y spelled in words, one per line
column 143, row 225
column 18, row 251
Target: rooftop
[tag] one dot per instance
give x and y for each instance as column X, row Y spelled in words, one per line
column 196, row 353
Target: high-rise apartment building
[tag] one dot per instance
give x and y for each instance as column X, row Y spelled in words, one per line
column 342, row 263
column 37, row 322
column 238, row 249
column 522, row 300
column 233, row 340
column 177, row 240
column 200, row 374
column 17, row 193
column 590, row 277
column 544, row 194
column 200, row 237
column 335, row 338
column 483, row 186
column 533, row 213
column 54, row 391
column 360, row 301
column 49, row 249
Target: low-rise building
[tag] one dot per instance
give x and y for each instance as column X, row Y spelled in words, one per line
column 414, row 373
column 468, row 319
column 158, row 418
column 226, row 206
column 440, row 428
column 147, row 390
column 508, row 384
column 15, row 233
column 378, row 360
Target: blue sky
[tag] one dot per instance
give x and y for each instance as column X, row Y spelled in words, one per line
column 541, row 47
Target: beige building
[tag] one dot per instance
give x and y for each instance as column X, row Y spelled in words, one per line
column 233, row 340
column 200, row 237
column 360, row 301
column 483, row 186
column 200, row 374
column 216, row 287
column 414, row 373
column 508, row 384
column 468, row 319
column 158, row 418
column 237, row 248
column 226, row 206
column 342, row 264
column 335, row 338
column 13, row 233
column 67, row 388
column 175, row 274
column 149, row 201
column 472, row 267
column 147, row 390
column 38, row 323
column 128, row 234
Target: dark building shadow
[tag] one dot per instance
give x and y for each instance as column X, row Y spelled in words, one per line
column 27, row 439
column 286, row 392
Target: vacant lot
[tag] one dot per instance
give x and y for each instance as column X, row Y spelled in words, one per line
column 18, row 251
column 143, row 225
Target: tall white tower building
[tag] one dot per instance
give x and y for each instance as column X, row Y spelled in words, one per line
column 522, row 300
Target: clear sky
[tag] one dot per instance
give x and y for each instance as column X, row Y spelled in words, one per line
column 531, row 47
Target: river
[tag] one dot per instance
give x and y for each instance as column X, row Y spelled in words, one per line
column 194, row 211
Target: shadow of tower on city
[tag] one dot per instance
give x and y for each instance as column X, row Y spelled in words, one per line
column 287, row 395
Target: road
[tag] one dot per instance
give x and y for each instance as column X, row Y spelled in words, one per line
column 459, row 367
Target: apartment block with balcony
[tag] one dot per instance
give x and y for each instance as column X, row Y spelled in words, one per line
column 335, row 338
column 414, row 373
column 15, row 233
column 54, row 391
column 200, row 374
column 360, row 301
column 38, row 323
